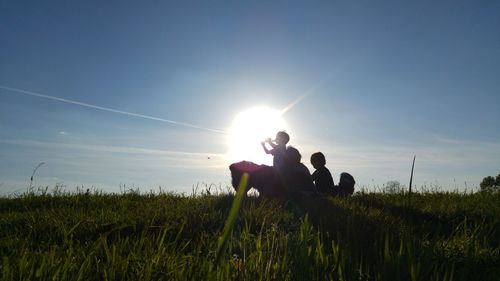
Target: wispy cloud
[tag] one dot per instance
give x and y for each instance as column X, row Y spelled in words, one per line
column 107, row 166
column 437, row 151
column 110, row 148
column 439, row 158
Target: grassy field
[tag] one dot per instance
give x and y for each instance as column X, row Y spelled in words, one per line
column 131, row 236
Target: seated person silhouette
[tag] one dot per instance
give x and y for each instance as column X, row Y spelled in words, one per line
column 278, row 149
column 295, row 175
column 322, row 177
column 346, row 185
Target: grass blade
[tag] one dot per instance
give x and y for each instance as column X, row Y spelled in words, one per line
column 411, row 181
column 233, row 213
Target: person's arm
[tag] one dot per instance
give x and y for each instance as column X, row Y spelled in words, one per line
column 267, row 151
column 273, row 145
column 270, row 142
column 314, row 176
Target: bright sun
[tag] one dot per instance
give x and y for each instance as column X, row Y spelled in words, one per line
column 249, row 129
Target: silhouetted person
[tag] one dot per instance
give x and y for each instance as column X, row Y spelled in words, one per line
column 278, row 149
column 322, row 177
column 296, row 176
column 346, row 185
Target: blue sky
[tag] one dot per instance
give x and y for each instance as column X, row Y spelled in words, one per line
column 387, row 80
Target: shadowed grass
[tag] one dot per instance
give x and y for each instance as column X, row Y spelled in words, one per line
column 96, row 236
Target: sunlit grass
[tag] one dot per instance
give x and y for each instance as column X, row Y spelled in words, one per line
column 231, row 218
column 132, row 236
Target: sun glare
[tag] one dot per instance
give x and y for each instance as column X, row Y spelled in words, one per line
column 249, row 129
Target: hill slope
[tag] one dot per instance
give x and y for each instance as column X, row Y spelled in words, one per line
column 443, row 236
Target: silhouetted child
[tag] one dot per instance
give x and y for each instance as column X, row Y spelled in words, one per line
column 296, row 176
column 346, row 185
column 322, row 177
column 278, row 149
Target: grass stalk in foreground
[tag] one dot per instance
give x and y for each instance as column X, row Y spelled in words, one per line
column 233, row 213
column 411, row 181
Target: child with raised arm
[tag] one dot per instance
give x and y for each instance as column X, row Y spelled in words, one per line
column 278, row 149
column 322, row 177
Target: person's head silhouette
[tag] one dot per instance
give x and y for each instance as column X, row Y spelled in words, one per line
column 282, row 138
column 318, row 160
column 292, row 156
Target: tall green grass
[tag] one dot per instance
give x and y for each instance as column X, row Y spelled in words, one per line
column 370, row 236
column 231, row 218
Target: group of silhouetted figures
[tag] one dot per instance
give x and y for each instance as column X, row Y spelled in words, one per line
column 288, row 177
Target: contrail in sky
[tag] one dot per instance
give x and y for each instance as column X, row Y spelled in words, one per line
column 34, row 94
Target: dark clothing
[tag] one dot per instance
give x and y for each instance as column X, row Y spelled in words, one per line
column 278, row 154
column 298, row 180
column 323, row 180
column 263, row 178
